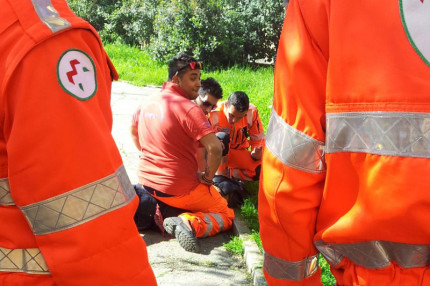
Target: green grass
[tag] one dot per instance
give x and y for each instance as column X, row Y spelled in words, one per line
column 235, row 246
column 137, row 67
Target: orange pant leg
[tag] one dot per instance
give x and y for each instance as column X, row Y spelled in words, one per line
column 208, row 214
column 241, row 164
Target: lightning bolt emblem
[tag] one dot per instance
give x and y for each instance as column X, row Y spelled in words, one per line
column 73, row 72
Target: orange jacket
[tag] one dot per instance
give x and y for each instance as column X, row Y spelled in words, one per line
column 247, row 132
column 66, row 203
column 345, row 170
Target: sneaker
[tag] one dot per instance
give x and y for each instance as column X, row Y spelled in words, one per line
column 176, row 227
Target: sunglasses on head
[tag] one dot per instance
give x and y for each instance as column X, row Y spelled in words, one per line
column 207, row 103
column 192, row 65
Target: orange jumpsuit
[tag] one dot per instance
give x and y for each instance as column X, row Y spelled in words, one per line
column 345, row 169
column 247, row 132
column 66, row 203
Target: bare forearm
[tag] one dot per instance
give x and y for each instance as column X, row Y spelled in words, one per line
column 135, row 137
column 213, row 149
column 212, row 163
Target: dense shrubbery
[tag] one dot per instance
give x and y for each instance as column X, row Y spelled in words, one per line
column 95, row 11
column 220, row 32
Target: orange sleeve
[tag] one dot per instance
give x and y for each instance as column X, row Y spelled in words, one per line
column 290, row 193
column 58, row 130
column 256, row 132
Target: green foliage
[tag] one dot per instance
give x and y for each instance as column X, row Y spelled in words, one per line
column 132, row 23
column 235, row 246
column 94, row 11
column 326, row 277
column 219, row 32
column 258, row 24
column 249, row 213
column 256, row 236
column 194, row 27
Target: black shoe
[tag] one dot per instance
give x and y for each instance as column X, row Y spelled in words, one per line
column 175, row 226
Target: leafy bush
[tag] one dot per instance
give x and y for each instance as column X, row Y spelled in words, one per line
column 194, row 27
column 94, row 11
column 219, row 32
column 261, row 24
column 132, row 23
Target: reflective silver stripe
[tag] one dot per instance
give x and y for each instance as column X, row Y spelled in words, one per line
column 209, row 226
column 219, row 221
column 381, row 133
column 290, row 270
column 80, row 205
column 294, row 148
column 5, row 197
column 23, row 260
column 49, row 16
column 376, row 254
column 255, row 137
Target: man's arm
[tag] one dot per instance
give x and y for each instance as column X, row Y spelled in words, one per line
column 201, row 158
column 134, row 129
column 135, row 137
column 256, row 136
column 213, row 150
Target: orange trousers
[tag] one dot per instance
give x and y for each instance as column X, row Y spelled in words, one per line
column 349, row 274
column 209, row 212
column 239, row 164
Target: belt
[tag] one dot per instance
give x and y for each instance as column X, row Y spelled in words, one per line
column 156, row 193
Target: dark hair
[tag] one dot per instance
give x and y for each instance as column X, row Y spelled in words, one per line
column 211, row 86
column 239, row 100
column 179, row 64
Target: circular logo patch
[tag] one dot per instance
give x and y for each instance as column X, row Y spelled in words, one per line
column 77, row 74
column 416, row 22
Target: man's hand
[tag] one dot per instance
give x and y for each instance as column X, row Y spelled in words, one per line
column 257, row 153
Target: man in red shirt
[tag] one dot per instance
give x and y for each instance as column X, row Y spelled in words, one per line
column 167, row 128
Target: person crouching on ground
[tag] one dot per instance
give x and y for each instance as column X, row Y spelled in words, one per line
column 167, row 128
column 240, row 119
